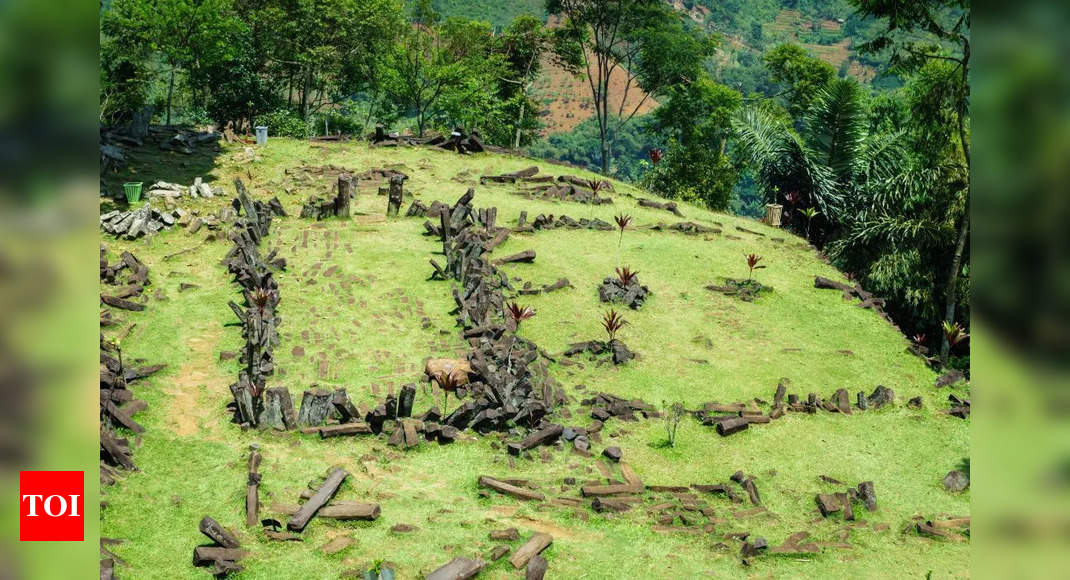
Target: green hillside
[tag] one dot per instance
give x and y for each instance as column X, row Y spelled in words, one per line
column 358, row 311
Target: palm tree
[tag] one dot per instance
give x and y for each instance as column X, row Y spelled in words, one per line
column 829, row 161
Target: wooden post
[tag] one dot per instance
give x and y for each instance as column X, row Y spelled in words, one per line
column 773, row 213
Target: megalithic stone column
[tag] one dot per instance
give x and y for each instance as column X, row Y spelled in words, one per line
column 393, row 205
column 345, row 192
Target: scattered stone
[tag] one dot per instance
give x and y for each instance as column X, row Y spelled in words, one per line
column 536, row 568
column 506, row 535
column 956, row 481
column 534, row 546
column 337, row 545
column 613, row 453
column 459, row 568
column 670, row 206
column 950, row 378
column 624, row 289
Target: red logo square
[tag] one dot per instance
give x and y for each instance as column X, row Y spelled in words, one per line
column 51, row 506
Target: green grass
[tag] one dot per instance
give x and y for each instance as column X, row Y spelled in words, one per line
column 366, row 320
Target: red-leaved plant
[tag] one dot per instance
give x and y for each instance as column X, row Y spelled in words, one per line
column 656, row 155
column 612, row 321
column 448, row 382
column 622, row 222
column 595, row 185
column 752, row 264
column 261, row 297
column 626, row 275
column 519, row 314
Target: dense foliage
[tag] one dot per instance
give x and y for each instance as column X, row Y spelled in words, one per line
column 870, row 160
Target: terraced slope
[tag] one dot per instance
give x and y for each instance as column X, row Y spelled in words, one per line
column 359, row 312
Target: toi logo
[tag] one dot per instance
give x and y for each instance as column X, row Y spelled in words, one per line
column 51, row 506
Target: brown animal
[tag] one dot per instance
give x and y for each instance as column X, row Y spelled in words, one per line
column 455, row 367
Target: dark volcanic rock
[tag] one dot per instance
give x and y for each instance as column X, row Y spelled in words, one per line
column 881, row 396
column 621, row 354
column 956, row 481
column 613, row 453
column 633, row 295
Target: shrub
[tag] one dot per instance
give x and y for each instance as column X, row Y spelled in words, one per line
column 698, row 174
column 673, row 414
column 284, row 123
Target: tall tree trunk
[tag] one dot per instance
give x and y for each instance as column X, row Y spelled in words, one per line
column 964, row 229
column 170, row 94
column 952, row 283
column 307, row 84
column 371, row 112
column 290, row 95
column 519, row 123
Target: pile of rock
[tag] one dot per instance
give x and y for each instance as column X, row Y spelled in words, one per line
column 338, row 206
column 129, row 274
column 142, row 221
column 669, row 206
column 731, row 418
column 959, row 407
column 114, row 141
column 503, row 388
column 175, row 191
column 548, row 222
column 745, row 290
column 689, row 228
column 184, row 142
column 261, row 293
column 458, row 140
column 831, row 503
column 223, row 554
column 621, row 353
column 117, row 407
column 566, row 192
column 631, row 293
column 420, row 209
column 867, row 299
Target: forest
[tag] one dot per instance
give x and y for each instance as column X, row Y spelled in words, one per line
column 870, row 160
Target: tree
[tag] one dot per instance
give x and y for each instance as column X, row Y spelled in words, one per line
column 526, row 42
column 416, row 73
column 920, row 32
column 831, row 161
column 642, row 40
column 184, row 34
column 697, row 121
column 125, row 48
column 804, row 75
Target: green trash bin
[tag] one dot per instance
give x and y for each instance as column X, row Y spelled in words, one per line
column 133, row 191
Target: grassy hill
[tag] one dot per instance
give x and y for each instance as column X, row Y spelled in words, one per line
column 359, row 312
